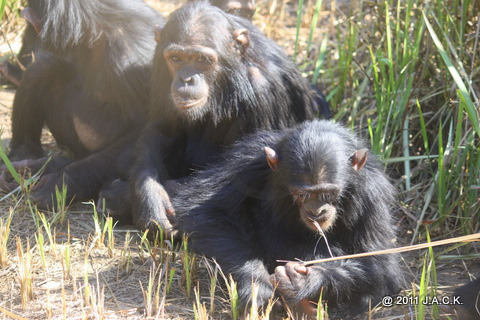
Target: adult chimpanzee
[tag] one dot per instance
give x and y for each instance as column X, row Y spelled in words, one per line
column 89, row 85
column 469, row 297
column 216, row 78
column 273, row 196
column 246, row 9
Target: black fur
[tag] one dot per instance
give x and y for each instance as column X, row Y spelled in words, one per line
column 280, row 97
column 243, row 214
column 31, row 43
column 89, row 85
column 469, row 298
column 251, row 88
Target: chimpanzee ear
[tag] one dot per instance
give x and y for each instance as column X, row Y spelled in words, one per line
column 32, row 18
column 242, row 39
column 272, row 158
column 158, row 30
column 358, row 159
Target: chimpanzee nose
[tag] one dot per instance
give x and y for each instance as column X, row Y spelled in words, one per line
column 188, row 76
column 317, row 210
column 187, row 79
column 323, row 210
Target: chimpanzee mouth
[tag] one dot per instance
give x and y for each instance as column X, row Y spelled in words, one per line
column 182, row 103
column 325, row 221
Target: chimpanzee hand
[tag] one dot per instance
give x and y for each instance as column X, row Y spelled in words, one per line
column 24, row 168
column 43, row 192
column 116, row 195
column 152, row 208
column 292, row 282
column 290, row 279
column 11, row 73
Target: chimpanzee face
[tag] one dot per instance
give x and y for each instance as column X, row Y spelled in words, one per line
column 317, row 204
column 199, row 49
column 316, row 188
column 191, row 68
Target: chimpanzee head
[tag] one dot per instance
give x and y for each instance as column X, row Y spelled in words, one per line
column 316, row 165
column 201, row 48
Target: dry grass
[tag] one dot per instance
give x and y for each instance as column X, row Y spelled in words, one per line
column 76, row 276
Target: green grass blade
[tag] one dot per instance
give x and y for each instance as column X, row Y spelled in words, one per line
column 463, row 92
column 406, row 152
column 9, row 165
column 422, row 290
column 432, row 271
column 2, row 8
column 389, row 44
column 423, row 128
column 313, row 25
column 299, row 23
column 441, row 175
column 409, row 158
column 320, row 59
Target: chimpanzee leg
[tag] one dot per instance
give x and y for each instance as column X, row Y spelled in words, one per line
column 31, row 105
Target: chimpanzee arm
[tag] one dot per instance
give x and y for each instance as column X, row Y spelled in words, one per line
column 232, row 245
column 349, row 283
column 151, row 203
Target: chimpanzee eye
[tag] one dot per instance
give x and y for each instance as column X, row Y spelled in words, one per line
column 327, row 197
column 300, row 194
column 175, row 58
column 202, row 59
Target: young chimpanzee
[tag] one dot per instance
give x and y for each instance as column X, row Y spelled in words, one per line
column 216, row 78
column 273, row 196
column 89, row 85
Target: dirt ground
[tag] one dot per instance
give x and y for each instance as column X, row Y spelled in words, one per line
column 78, row 275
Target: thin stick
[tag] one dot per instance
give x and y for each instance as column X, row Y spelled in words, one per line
column 11, row 315
column 469, row 238
column 320, row 230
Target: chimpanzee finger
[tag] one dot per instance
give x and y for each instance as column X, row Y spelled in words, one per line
column 301, row 269
column 281, row 272
column 294, row 270
column 169, row 209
